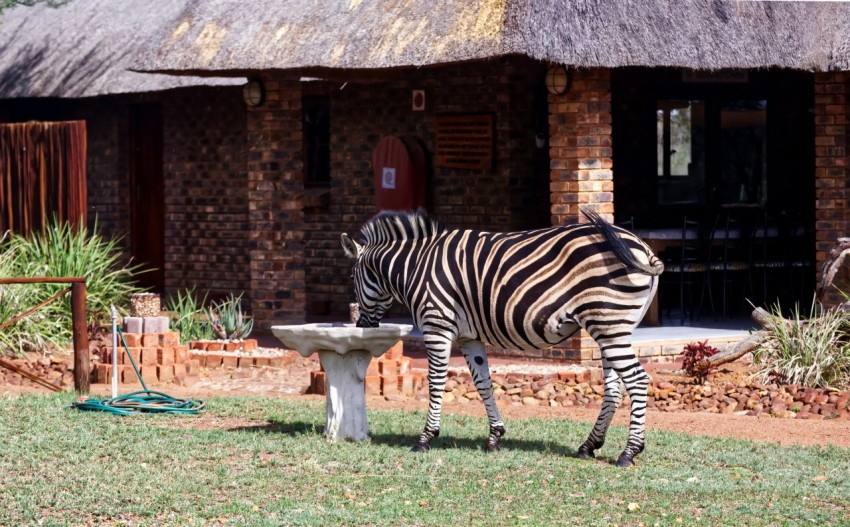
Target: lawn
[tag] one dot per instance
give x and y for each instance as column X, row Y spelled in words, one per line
column 254, row 461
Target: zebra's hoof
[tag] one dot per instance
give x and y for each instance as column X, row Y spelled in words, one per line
column 492, row 447
column 585, row 453
column 625, row 460
column 420, row 447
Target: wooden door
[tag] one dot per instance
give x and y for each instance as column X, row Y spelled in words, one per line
column 147, row 205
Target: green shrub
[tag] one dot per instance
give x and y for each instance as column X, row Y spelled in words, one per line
column 227, row 320
column 188, row 316
column 812, row 351
column 59, row 251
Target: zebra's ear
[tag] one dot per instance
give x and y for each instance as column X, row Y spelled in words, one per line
column 352, row 248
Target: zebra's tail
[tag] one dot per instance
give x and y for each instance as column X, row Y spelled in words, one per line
column 620, row 249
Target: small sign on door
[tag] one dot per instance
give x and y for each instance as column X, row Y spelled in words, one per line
column 388, row 177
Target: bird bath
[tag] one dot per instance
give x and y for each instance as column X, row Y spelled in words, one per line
column 345, row 352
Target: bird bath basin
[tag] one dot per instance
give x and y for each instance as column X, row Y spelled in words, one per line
column 345, row 352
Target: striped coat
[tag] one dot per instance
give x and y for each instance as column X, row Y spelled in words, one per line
column 519, row 290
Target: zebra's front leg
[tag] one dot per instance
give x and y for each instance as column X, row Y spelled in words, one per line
column 610, row 403
column 476, row 359
column 439, row 349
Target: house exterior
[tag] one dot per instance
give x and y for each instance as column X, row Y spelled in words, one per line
column 255, row 196
column 151, row 145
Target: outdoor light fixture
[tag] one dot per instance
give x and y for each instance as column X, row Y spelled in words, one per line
column 254, row 93
column 558, row 79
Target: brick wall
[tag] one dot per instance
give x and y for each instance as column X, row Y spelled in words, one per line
column 276, row 216
column 206, row 191
column 582, row 171
column 832, row 177
column 510, row 196
column 580, row 147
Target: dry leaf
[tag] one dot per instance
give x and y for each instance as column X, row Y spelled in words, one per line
column 633, row 507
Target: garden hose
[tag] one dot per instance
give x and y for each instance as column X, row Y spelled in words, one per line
column 144, row 400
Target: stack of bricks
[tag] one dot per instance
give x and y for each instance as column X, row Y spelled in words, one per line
column 207, row 353
column 157, row 352
column 388, row 375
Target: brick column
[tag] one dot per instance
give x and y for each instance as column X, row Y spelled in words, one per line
column 580, row 147
column 275, row 211
column 832, row 177
column 581, row 169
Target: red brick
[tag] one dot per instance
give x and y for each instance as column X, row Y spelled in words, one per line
column 165, row 356
column 102, row 374
column 388, row 367
column 193, row 368
column 317, row 382
column 214, row 361
column 128, row 376
column 180, row 370
column 249, row 344
column 418, row 381
column 373, row 385
column 169, row 339
column 136, row 354
column 197, row 345
column 373, row 368
column 404, row 365
column 406, row 384
column 149, row 356
column 389, row 384
column 230, row 361
column 150, row 340
column 395, row 352
column 181, row 353
column 165, row 373
column 133, row 340
column 232, row 346
column 275, row 362
column 214, row 346
column 261, row 361
column 245, row 362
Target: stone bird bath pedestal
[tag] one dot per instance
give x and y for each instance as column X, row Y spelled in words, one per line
column 345, row 352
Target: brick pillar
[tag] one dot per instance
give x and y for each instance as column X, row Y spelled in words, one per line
column 832, row 177
column 580, row 147
column 581, row 167
column 275, row 211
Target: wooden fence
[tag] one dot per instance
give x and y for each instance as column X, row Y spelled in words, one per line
column 42, row 174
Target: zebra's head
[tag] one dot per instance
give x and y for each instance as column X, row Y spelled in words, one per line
column 369, row 287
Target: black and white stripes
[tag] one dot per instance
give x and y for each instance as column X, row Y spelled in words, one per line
column 518, row 290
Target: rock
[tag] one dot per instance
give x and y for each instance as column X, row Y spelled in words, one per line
column 530, row 401
column 448, row 397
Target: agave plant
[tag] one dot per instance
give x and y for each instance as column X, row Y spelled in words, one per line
column 188, row 316
column 227, row 320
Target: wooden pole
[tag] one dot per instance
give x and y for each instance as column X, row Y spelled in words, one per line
column 81, row 338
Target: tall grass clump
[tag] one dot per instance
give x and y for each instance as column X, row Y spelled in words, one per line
column 59, row 250
column 811, row 351
column 188, row 316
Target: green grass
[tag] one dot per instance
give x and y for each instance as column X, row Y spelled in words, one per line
column 262, row 462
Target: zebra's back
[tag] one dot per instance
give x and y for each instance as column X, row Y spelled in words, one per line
column 528, row 290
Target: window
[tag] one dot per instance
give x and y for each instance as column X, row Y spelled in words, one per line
column 680, row 151
column 317, row 138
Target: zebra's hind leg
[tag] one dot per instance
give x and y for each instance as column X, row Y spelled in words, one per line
column 610, row 403
column 637, row 382
column 438, row 348
column 476, row 359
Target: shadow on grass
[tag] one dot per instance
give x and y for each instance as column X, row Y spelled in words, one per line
column 406, row 441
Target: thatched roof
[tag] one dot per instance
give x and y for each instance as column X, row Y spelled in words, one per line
column 83, row 49
column 234, row 35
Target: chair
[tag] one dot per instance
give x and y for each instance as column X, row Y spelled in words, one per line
column 767, row 260
column 684, row 266
column 800, row 262
column 728, row 267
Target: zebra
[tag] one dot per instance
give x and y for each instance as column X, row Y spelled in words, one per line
column 520, row 290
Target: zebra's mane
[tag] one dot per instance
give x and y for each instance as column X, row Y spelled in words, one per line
column 399, row 226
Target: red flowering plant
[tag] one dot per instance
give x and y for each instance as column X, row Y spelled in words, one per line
column 695, row 360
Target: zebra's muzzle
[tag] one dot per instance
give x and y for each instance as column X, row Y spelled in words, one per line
column 364, row 322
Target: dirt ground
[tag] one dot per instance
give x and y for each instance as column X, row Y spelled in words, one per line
column 291, row 380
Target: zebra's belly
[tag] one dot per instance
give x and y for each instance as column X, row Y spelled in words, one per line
column 529, row 336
